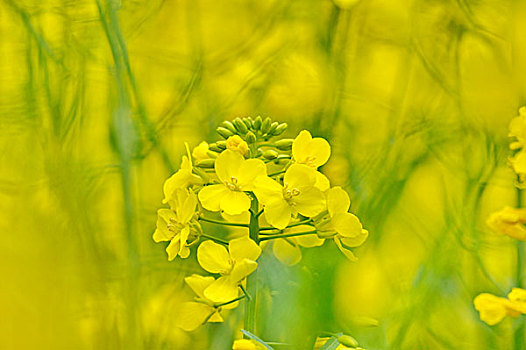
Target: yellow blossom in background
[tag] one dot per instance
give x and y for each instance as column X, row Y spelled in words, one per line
column 237, row 175
column 287, row 250
column 493, row 309
column 174, row 224
column 233, row 265
column 182, row 178
column 193, row 314
column 246, row 344
column 345, row 227
column 297, row 195
column 237, row 144
column 517, row 129
column 517, row 297
column 509, row 221
column 201, row 152
column 313, row 152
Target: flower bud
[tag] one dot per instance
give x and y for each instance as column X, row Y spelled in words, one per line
column 248, row 122
column 221, row 144
column 273, row 127
column 228, row 125
column 213, row 147
column 257, row 123
column 251, row 138
column 347, row 340
column 265, row 126
column 206, row 163
column 280, row 129
column 237, row 144
column 225, row 133
column 284, row 145
column 270, row 154
column 212, row 154
column 240, row 126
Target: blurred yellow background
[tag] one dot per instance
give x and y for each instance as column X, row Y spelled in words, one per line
column 98, row 97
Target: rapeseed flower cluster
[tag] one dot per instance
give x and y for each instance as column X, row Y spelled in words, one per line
column 275, row 187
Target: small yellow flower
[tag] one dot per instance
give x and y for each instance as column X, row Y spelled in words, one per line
column 233, row 265
column 237, row 144
column 246, row 344
column 320, row 342
column 237, row 175
column 193, row 314
column 200, row 152
column 182, row 178
column 517, row 297
column 287, row 250
column 313, row 152
column 509, row 221
column 297, row 195
column 174, row 224
column 493, row 309
column 346, row 227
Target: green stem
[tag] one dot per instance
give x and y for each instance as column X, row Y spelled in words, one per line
column 252, row 279
column 304, row 222
column 266, row 238
column 231, row 301
column 519, row 331
column 215, row 239
column 219, row 222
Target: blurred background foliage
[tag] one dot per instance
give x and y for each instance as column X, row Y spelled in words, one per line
column 97, row 98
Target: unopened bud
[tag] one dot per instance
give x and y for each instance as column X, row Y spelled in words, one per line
column 221, row 144
column 280, row 129
column 225, row 133
column 240, row 126
column 273, row 127
column 257, row 123
column 211, row 154
column 284, row 145
column 248, row 122
column 206, row 163
column 265, row 126
column 228, row 125
column 251, row 137
column 347, row 340
column 214, row 147
column 270, row 154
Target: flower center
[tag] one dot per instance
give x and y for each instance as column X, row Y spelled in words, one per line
column 232, row 184
column 288, row 193
column 310, row 161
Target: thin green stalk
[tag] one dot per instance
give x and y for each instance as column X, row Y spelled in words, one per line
column 304, row 222
column 219, row 222
column 215, row 239
column 252, row 279
column 266, row 238
column 519, row 332
column 231, row 301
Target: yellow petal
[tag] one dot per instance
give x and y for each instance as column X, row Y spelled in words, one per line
column 249, row 171
column 337, row 201
column 187, row 210
column 243, row 344
column 199, row 283
column 267, row 189
column 517, row 297
column 210, row 196
column 322, row 182
column 221, row 290
column 173, row 248
column 313, row 152
column 308, row 241
column 227, row 165
column 491, row 308
column 277, row 213
column 348, row 254
column 213, row 257
column 347, row 225
column 183, row 237
column 162, row 233
column 244, row 248
column 300, row 146
column 216, row 317
column 235, row 202
column 286, row 252
column 355, row 241
column 200, row 152
column 310, row 202
column 299, row 176
column 192, row 315
column 241, row 270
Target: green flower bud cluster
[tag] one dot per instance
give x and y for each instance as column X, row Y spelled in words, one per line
column 251, row 129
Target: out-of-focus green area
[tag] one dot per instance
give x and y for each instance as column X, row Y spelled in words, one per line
column 98, row 97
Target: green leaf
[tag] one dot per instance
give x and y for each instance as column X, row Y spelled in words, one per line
column 256, row 338
column 331, row 344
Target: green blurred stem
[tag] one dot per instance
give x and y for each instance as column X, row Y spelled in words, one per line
column 252, row 279
column 266, row 238
column 519, row 332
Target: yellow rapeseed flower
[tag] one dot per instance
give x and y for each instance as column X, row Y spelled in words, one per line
column 517, row 297
column 182, row 178
column 509, row 221
column 297, row 195
column 313, row 152
column 233, row 265
column 237, row 144
column 174, row 224
column 201, row 152
column 193, row 314
column 493, row 309
column 237, row 176
column 344, row 227
column 287, row 250
column 246, row 344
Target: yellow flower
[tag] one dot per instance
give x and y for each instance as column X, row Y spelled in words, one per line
column 200, row 152
column 298, row 195
column 236, row 175
column 174, row 224
column 517, row 297
column 320, row 342
column 182, row 178
column 509, row 221
column 493, row 309
column 245, row 344
column 346, row 227
column 237, row 144
column 313, row 152
column 193, row 314
column 233, row 265
column 287, row 250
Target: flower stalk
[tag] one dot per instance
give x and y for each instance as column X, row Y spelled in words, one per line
column 519, row 332
column 252, row 280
